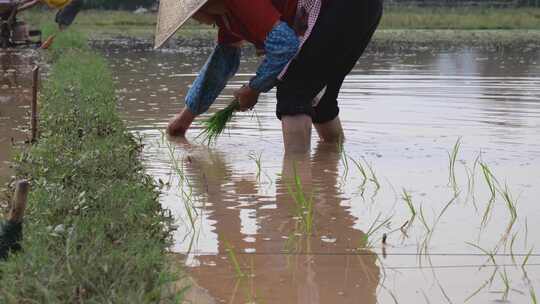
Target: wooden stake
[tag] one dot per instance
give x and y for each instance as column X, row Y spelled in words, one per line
column 34, row 118
column 19, row 201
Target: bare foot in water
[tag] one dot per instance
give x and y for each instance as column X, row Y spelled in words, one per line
column 179, row 140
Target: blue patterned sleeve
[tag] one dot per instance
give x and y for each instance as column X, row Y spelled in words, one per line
column 281, row 46
column 221, row 66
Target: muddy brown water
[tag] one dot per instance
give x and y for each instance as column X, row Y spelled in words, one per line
column 15, row 97
column 402, row 112
column 239, row 231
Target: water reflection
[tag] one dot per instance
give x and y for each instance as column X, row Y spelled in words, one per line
column 402, row 112
column 281, row 262
column 15, row 84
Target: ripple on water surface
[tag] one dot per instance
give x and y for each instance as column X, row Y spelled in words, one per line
column 402, row 113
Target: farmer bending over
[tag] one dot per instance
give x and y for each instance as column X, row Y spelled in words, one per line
column 309, row 46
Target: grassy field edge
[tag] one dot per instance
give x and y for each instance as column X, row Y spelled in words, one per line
column 94, row 231
column 411, row 22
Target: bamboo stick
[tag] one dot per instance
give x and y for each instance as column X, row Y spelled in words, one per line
column 34, row 108
column 20, row 200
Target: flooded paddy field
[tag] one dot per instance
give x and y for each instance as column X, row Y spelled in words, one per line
column 441, row 161
column 15, row 96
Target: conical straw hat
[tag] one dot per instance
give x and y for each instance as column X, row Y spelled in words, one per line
column 172, row 15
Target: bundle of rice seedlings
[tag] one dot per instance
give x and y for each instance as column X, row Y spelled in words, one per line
column 215, row 125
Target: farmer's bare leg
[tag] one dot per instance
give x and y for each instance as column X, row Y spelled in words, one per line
column 338, row 39
column 180, row 123
column 295, row 165
column 296, row 133
column 330, row 131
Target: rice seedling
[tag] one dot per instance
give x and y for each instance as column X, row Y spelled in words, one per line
column 344, row 158
column 183, row 184
column 490, row 181
column 234, row 260
column 291, row 243
column 296, row 240
column 362, row 171
column 526, row 232
column 443, row 292
column 374, row 178
column 526, row 259
column 423, row 220
column 510, row 204
column 489, row 254
column 377, row 224
column 443, row 211
column 452, row 180
column 304, row 205
column 424, row 246
column 235, row 289
column 382, row 285
column 250, row 291
column 506, row 282
column 533, row 296
column 512, row 256
column 486, row 283
column 394, row 298
column 472, row 182
column 403, row 229
column 407, row 198
column 214, row 126
column 425, row 297
column 470, row 185
column 257, row 160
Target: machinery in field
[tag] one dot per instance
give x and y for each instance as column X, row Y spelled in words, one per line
column 14, row 33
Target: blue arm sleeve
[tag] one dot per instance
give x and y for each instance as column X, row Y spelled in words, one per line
column 281, row 46
column 221, row 66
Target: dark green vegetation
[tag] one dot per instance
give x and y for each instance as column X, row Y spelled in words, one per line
column 461, row 18
column 97, row 24
column 94, row 230
column 10, row 236
column 118, row 4
column 100, row 24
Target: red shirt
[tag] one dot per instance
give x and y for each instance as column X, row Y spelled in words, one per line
column 252, row 20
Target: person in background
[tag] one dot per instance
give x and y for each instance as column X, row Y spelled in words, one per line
column 27, row 4
column 67, row 11
column 309, row 46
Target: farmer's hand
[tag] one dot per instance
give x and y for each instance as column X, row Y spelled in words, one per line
column 247, row 97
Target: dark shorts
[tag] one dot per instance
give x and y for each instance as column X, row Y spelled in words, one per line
column 66, row 16
column 340, row 36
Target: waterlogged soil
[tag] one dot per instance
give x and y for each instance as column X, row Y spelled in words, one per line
column 15, row 96
column 246, row 235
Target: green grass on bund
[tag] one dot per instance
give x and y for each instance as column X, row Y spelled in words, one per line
column 94, row 229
